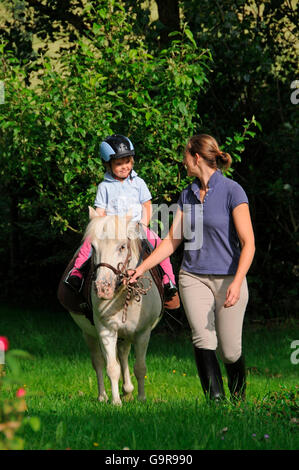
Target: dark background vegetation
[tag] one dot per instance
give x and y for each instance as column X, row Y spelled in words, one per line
column 219, row 67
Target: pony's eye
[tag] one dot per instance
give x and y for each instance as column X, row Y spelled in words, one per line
column 122, row 248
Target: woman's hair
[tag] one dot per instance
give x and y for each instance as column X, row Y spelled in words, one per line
column 207, row 147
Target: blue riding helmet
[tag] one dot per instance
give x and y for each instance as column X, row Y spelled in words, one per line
column 116, row 146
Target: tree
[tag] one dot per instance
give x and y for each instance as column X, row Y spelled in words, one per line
column 169, row 16
column 253, row 47
column 49, row 133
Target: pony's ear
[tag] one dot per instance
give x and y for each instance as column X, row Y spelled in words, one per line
column 92, row 213
column 133, row 230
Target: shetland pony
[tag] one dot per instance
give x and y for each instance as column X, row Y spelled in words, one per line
column 121, row 317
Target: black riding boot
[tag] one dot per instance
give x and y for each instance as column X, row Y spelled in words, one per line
column 209, row 373
column 236, row 375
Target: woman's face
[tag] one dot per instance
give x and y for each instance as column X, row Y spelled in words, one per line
column 189, row 163
column 121, row 167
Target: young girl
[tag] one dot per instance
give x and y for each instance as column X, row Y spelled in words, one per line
column 123, row 192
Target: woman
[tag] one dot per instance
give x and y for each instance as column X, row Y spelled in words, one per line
column 212, row 280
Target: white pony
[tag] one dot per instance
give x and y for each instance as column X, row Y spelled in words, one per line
column 119, row 320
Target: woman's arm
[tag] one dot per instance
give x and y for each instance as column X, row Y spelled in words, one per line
column 165, row 249
column 243, row 225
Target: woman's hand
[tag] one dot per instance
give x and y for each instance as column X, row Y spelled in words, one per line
column 136, row 274
column 243, row 225
column 232, row 294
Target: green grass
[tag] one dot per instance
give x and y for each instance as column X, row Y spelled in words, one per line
column 62, row 392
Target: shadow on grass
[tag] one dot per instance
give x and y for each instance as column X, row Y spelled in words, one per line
column 54, row 335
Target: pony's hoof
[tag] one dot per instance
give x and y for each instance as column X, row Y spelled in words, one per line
column 128, row 397
column 117, row 403
column 103, row 398
column 142, row 399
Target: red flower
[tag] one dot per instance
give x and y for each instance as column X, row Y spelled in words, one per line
column 4, row 343
column 21, row 392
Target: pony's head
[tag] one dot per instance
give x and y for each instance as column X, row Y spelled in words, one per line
column 116, row 245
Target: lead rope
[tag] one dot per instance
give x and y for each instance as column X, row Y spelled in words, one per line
column 135, row 290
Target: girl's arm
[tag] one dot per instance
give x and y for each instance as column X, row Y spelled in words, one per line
column 243, row 225
column 165, row 249
column 146, row 213
column 101, row 212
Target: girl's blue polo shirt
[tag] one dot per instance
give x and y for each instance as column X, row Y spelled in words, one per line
column 123, row 198
column 214, row 237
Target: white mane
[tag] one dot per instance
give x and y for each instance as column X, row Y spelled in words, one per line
column 113, row 227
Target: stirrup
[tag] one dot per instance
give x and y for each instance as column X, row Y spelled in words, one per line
column 170, row 290
column 66, row 281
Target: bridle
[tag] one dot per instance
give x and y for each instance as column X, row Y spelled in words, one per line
column 121, row 267
column 121, row 271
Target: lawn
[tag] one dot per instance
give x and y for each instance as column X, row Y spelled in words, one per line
column 61, row 390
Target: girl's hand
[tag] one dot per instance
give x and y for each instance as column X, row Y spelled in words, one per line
column 232, row 294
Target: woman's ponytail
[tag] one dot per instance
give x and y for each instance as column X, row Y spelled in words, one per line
column 207, row 147
column 223, row 160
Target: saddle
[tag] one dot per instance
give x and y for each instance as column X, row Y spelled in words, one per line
column 80, row 302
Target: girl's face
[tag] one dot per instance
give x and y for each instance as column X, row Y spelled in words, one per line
column 121, row 167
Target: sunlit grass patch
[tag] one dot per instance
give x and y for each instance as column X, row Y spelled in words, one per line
column 61, row 389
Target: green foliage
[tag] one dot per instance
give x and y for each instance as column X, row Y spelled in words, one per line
column 236, row 145
column 253, row 44
column 110, row 80
column 13, row 420
column 281, row 403
column 50, row 134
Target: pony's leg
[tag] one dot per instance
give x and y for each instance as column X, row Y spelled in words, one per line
column 124, row 348
column 108, row 340
column 97, row 362
column 140, row 347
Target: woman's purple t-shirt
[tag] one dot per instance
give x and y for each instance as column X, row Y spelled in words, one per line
column 211, row 241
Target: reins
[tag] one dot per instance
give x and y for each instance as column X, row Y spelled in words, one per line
column 134, row 290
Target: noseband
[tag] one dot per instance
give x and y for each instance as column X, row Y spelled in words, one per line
column 121, row 267
column 137, row 289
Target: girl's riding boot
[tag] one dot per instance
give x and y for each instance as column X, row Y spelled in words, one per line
column 236, row 375
column 209, row 373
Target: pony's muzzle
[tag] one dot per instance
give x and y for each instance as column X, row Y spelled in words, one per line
column 105, row 288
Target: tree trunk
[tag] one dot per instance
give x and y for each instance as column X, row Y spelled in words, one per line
column 14, row 241
column 169, row 15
